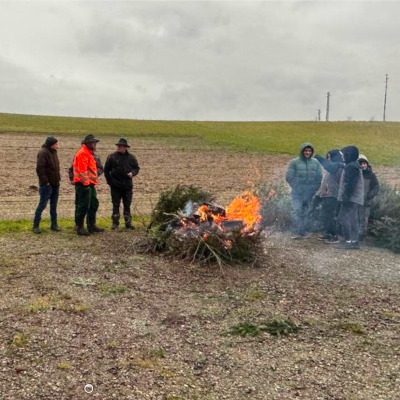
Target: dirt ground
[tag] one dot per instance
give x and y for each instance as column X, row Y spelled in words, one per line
column 163, row 164
column 77, row 311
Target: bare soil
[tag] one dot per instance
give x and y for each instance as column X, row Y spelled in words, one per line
column 164, row 163
column 77, row 311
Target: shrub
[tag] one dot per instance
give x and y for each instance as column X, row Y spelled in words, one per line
column 385, row 218
column 276, row 210
column 172, row 200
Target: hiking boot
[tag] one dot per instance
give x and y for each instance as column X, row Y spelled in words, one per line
column 81, row 231
column 114, row 227
column 54, row 227
column 129, row 226
column 95, row 229
column 332, row 240
column 36, row 230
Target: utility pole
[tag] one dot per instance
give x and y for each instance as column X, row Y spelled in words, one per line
column 328, row 95
column 319, row 115
column 384, row 104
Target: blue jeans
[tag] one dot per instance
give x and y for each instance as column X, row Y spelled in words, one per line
column 47, row 192
column 301, row 207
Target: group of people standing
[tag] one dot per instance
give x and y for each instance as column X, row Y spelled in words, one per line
column 119, row 169
column 346, row 185
column 343, row 180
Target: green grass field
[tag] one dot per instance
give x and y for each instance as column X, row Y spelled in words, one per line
column 379, row 141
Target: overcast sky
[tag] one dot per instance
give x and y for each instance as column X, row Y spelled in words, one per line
column 200, row 60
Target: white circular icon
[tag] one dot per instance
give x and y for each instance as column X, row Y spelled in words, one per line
column 88, row 388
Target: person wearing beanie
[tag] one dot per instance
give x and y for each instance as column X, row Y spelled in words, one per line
column 304, row 175
column 119, row 170
column 48, row 172
column 371, row 190
column 85, row 179
column 351, row 196
column 333, row 166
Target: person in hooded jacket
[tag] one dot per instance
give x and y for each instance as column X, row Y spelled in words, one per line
column 333, row 167
column 351, row 195
column 119, row 170
column 304, row 175
column 371, row 189
column 48, row 172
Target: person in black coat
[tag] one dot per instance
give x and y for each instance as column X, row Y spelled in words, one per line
column 333, row 165
column 119, row 170
column 351, row 196
column 371, row 189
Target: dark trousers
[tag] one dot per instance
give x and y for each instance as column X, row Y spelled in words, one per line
column 330, row 211
column 47, row 192
column 301, row 207
column 86, row 204
column 348, row 218
column 363, row 216
column 126, row 196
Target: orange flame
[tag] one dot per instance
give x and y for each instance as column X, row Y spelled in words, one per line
column 244, row 208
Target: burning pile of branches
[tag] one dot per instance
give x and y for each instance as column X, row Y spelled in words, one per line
column 203, row 230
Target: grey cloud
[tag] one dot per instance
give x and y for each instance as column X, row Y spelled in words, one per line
column 200, row 60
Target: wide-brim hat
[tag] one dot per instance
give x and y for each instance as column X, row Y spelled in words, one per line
column 122, row 142
column 90, row 139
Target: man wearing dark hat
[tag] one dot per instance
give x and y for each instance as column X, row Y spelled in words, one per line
column 48, row 172
column 119, row 170
column 85, row 179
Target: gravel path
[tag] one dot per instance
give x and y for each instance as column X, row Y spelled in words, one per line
column 370, row 264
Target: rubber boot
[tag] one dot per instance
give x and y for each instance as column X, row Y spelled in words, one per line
column 115, row 222
column 92, row 227
column 81, row 231
column 128, row 222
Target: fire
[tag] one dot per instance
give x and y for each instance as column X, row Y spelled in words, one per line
column 244, row 208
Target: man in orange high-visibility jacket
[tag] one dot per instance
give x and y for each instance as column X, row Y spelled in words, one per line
column 85, row 180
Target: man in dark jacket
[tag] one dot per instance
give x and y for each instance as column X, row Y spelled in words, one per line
column 371, row 189
column 333, row 165
column 48, row 172
column 119, row 170
column 304, row 175
column 351, row 194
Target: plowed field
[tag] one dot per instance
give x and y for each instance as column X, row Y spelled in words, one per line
column 163, row 164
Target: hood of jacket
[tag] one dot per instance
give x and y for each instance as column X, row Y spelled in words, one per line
column 350, row 154
column 303, row 146
column 335, row 155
